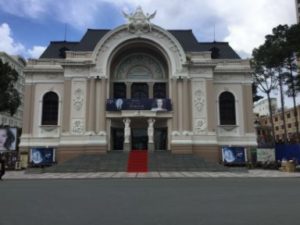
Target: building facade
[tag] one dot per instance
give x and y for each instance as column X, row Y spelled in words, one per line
column 262, row 107
column 290, row 119
column 17, row 63
column 138, row 86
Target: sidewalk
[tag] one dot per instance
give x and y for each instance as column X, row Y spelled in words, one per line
column 17, row 175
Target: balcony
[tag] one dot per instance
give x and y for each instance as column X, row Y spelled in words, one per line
column 155, row 105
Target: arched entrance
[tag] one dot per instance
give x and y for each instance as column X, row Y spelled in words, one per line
column 139, row 102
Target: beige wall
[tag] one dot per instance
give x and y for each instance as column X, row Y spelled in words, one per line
column 28, row 108
column 66, row 106
column 248, row 109
column 211, row 106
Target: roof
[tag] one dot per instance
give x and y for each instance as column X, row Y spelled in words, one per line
column 186, row 38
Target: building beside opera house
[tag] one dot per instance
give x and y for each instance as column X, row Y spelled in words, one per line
column 138, row 86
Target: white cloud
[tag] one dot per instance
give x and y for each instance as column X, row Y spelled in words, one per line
column 7, row 43
column 36, row 51
column 12, row 47
column 242, row 23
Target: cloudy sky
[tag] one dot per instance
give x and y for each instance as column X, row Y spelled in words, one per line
column 27, row 26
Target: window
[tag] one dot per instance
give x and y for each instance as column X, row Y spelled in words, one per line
column 289, row 125
column 277, row 128
column 119, row 90
column 288, row 115
column 139, row 91
column 50, row 109
column 276, row 118
column 159, row 90
column 227, row 109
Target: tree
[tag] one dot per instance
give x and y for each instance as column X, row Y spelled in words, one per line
column 264, row 77
column 9, row 96
column 255, row 96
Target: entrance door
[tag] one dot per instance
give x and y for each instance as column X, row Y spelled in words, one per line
column 117, row 138
column 160, row 138
column 139, row 139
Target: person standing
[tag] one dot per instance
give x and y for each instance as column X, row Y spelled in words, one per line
column 2, row 165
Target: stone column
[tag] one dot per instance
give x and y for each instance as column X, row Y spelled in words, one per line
column 127, row 135
column 128, row 90
column 180, row 104
column 97, row 105
column 185, row 105
column 91, row 104
column 150, row 133
column 174, row 103
column 102, row 101
column 150, row 89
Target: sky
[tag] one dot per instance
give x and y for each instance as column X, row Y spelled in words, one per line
column 28, row 26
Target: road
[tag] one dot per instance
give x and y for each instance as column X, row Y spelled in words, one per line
column 151, row 201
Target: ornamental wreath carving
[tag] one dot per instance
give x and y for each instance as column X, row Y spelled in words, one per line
column 77, row 127
column 78, row 99
column 200, row 126
column 198, row 100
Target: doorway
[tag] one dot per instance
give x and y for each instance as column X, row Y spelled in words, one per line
column 139, row 139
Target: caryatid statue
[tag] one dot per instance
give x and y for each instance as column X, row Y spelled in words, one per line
column 127, row 131
column 150, row 130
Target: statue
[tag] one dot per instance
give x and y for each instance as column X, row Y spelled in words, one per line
column 127, row 131
column 150, row 130
column 138, row 21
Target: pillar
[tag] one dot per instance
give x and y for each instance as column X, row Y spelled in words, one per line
column 150, row 133
column 127, row 135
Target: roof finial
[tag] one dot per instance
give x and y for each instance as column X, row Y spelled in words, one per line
column 138, row 21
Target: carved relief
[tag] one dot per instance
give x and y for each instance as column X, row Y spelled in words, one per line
column 199, row 100
column 200, row 126
column 138, row 21
column 77, row 127
column 78, row 99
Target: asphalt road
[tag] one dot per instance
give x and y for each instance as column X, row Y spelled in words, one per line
column 150, row 201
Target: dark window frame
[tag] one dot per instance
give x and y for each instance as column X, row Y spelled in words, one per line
column 50, row 108
column 227, row 109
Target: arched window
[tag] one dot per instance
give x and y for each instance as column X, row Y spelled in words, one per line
column 50, row 109
column 227, row 109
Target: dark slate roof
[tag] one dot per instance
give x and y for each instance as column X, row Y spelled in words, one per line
column 55, row 47
column 225, row 51
column 185, row 37
column 90, row 39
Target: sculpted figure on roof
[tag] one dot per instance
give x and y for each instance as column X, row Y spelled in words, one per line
column 138, row 21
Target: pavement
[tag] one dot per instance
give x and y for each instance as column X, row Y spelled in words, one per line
column 255, row 173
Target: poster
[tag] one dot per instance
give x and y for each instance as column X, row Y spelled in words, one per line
column 8, row 138
column 234, row 155
column 42, row 156
column 265, row 154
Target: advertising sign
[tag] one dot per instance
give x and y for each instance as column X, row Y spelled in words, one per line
column 42, row 156
column 265, row 154
column 155, row 105
column 8, row 138
column 234, row 155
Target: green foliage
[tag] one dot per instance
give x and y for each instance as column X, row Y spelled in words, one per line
column 9, row 96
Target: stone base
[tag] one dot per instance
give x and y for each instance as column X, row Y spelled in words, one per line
column 150, row 147
column 127, row 147
column 64, row 153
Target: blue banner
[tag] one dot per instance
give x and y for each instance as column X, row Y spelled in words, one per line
column 155, row 105
column 287, row 152
column 234, row 155
column 42, row 156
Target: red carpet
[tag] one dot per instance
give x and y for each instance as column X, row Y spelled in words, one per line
column 137, row 161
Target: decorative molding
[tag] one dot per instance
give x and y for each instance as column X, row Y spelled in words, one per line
column 138, row 22
column 77, row 127
column 199, row 100
column 200, row 126
column 78, row 99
